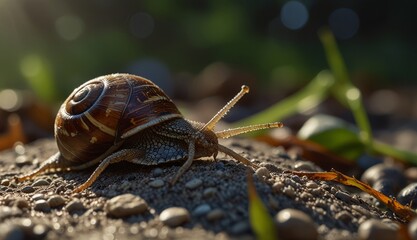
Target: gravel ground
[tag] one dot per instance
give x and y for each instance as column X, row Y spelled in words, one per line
column 209, row 201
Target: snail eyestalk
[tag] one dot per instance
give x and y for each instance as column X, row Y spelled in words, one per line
column 236, row 131
column 219, row 115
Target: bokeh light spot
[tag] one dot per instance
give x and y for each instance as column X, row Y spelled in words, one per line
column 69, row 27
column 142, row 25
column 294, row 15
column 344, row 23
column 384, row 101
column 10, row 100
column 353, row 94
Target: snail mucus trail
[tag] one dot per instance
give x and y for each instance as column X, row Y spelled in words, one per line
column 138, row 123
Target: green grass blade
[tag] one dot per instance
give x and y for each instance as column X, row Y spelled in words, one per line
column 343, row 89
column 388, row 150
column 262, row 223
column 305, row 99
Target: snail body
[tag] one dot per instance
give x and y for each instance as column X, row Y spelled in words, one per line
column 123, row 117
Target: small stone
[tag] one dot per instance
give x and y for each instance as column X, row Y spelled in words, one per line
column 262, row 173
column 41, row 206
column 375, row 229
column 306, row 196
column 209, row 192
column 5, row 182
column 412, row 229
column 56, row 201
column 289, row 191
column 174, row 216
column 37, row 196
column 22, row 160
column 157, row 172
column 27, row 189
column 194, row 183
column 408, row 195
column 240, row 228
column 291, row 221
column 343, row 196
column 304, row 166
column 40, row 182
column 312, row 185
column 157, row 183
column 21, row 203
column 278, row 186
column 385, row 178
column 7, row 212
column 75, row 206
column 344, row 216
column 361, row 210
column 201, row 210
column 125, row 205
column 215, row 214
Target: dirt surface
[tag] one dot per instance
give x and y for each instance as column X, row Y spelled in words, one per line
column 220, row 187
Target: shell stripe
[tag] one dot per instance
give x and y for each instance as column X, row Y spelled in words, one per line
column 101, row 126
column 149, row 124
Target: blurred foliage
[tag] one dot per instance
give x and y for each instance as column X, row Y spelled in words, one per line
column 262, row 223
column 52, row 46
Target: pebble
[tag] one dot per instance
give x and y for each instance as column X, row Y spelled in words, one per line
column 37, row 196
column 312, row 185
column 27, row 189
column 408, row 195
column 411, row 174
column 22, row 160
column 40, row 182
column 289, row 191
column 385, row 178
column 7, row 212
column 412, row 229
column 41, row 205
column 75, row 206
column 157, row 172
column 201, row 210
column 125, row 205
column 344, row 216
column 157, row 183
column 291, row 221
column 209, row 192
column 375, row 229
column 5, row 182
column 343, row 196
column 194, row 183
column 304, row 166
column 215, row 214
column 240, row 228
column 21, row 203
column 278, row 186
column 262, row 173
column 56, row 201
column 174, row 216
column 306, row 196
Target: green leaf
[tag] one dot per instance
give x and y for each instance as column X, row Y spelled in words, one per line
column 335, row 134
column 261, row 222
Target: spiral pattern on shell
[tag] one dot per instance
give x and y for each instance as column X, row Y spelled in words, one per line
column 101, row 113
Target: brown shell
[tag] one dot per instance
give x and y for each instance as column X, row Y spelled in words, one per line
column 99, row 114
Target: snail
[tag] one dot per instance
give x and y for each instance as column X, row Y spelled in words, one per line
column 123, row 117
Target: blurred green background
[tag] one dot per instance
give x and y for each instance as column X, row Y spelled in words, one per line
column 53, row 46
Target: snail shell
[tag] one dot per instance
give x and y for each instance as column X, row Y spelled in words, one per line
column 104, row 111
